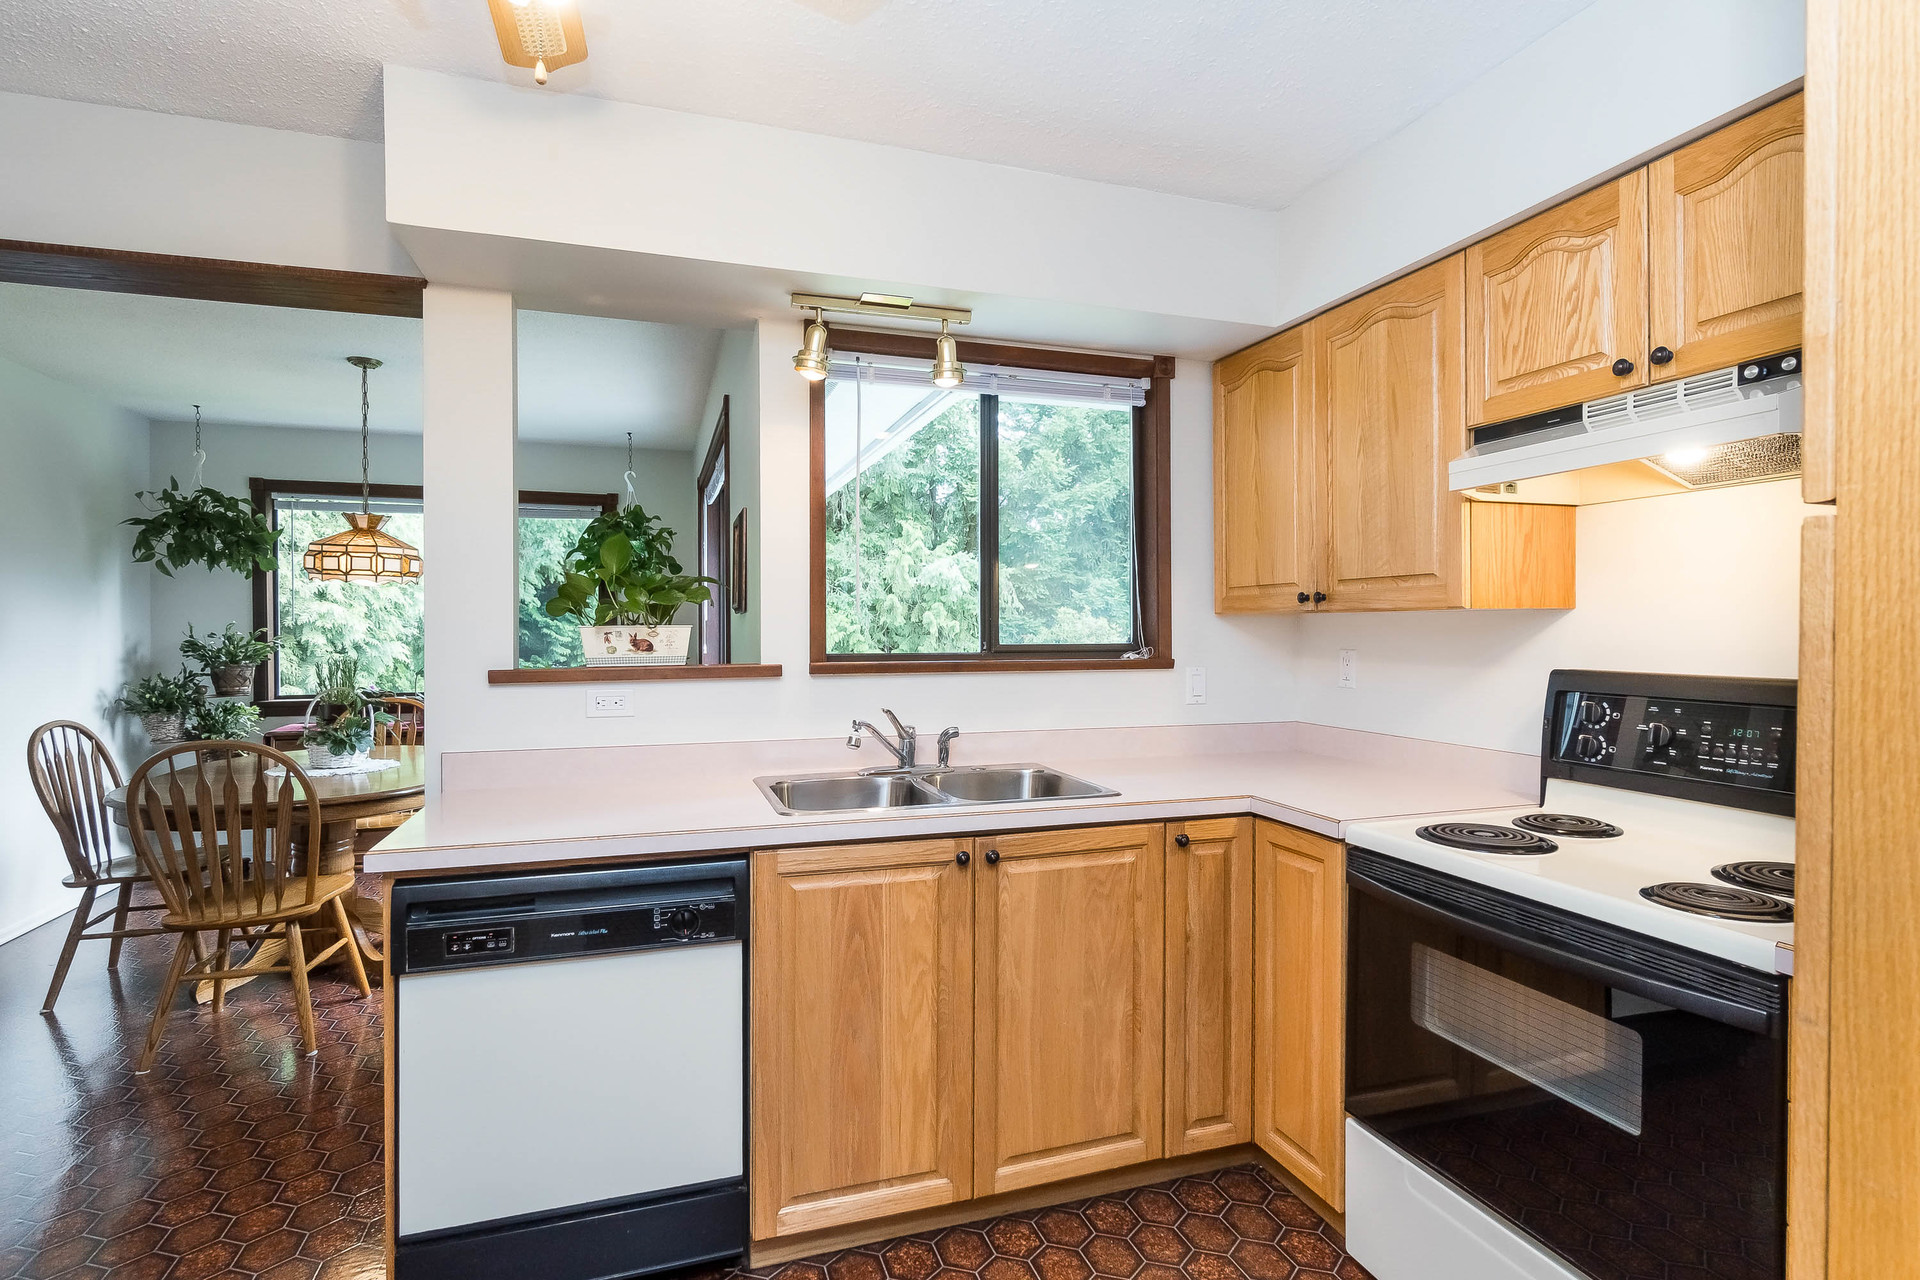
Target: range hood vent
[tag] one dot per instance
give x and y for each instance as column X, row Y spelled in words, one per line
column 1738, row 425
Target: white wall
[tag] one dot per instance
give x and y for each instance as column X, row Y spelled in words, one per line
column 1700, row 583
column 756, row 195
column 73, row 626
column 736, row 375
column 1615, row 83
column 210, row 600
column 123, row 179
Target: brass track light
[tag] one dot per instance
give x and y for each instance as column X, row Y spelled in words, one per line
column 810, row 362
column 947, row 369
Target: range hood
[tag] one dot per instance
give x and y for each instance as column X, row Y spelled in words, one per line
column 1738, row 425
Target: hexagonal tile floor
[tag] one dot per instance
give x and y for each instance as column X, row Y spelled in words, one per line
column 237, row 1156
column 1228, row 1225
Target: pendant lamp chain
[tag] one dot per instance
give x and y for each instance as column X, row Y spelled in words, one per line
column 365, row 488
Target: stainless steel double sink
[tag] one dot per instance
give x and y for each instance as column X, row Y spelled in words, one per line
column 883, row 790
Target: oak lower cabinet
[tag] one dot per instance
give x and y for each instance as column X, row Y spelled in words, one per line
column 1209, row 999
column 1068, row 989
column 863, row 1027
column 1299, row 1019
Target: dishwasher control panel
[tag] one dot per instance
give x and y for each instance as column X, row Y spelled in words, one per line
column 455, row 932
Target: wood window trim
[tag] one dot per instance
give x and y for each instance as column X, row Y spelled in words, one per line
column 263, row 491
column 719, row 454
column 163, row 275
column 1152, row 505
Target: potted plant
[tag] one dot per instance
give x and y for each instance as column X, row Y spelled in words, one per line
column 162, row 702
column 624, row 587
column 222, row 721
column 230, row 658
column 202, row 527
column 341, row 726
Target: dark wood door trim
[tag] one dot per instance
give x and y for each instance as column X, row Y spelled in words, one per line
column 163, row 275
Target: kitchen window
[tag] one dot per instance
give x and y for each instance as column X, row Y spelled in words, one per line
column 383, row 625
column 1017, row 521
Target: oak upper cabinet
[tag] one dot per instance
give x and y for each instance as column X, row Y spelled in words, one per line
column 862, row 1033
column 1299, row 1018
column 1265, row 540
column 1068, row 981
column 1726, row 243
column 1387, row 406
column 1209, row 998
column 1557, row 306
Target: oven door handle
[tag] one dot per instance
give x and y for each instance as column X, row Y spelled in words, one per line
column 1639, row 982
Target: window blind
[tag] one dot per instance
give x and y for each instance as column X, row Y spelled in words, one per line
column 1000, row 380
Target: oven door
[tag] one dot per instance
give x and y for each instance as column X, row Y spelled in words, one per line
column 1619, row 1101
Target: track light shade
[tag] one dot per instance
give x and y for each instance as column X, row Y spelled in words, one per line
column 810, row 362
column 947, row 369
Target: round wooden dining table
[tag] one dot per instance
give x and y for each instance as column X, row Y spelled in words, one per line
column 344, row 799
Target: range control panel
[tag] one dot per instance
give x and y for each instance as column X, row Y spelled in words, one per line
column 1745, row 745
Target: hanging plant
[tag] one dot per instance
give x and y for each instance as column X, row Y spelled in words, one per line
column 203, row 526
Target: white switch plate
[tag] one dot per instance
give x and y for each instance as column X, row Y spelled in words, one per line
column 1349, row 668
column 608, row 704
column 1196, row 685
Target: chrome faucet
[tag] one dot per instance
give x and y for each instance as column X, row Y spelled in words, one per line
column 947, row 735
column 902, row 751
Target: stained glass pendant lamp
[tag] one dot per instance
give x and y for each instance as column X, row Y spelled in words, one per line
column 362, row 552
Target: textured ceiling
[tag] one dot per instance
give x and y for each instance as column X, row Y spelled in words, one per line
column 1248, row 101
column 583, row 379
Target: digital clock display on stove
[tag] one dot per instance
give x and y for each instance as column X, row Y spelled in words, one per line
column 1737, row 744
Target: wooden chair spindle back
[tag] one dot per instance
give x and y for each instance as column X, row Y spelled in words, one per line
column 72, row 772
column 409, row 724
column 217, row 833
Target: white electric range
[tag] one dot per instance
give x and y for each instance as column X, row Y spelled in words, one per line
column 1566, row 1048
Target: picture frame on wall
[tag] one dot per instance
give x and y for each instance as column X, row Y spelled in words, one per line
column 737, row 565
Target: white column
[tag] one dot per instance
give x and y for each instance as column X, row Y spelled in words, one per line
column 468, row 381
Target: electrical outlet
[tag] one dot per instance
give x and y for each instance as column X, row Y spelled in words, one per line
column 1349, row 669
column 608, row 704
column 1196, row 685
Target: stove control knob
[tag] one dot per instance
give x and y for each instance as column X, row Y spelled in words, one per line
column 1592, row 712
column 1589, row 746
column 683, row 922
column 1659, row 736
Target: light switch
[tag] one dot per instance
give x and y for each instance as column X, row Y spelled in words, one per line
column 1196, row 685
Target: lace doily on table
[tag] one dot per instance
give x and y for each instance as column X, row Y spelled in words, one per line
column 341, row 770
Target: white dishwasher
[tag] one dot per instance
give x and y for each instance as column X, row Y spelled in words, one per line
column 570, row 1072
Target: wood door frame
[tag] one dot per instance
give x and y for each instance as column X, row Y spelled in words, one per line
column 164, row 275
column 715, row 544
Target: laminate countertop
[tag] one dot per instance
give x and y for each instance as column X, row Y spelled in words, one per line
column 503, row 809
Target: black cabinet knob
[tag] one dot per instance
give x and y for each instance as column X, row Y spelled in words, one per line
column 963, row 857
column 1659, row 355
column 1303, row 597
column 993, row 856
column 1182, row 840
column 1319, row 597
column 1622, row 367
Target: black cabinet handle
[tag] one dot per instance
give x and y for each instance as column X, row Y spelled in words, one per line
column 993, row 857
column 1660, row 355
column 1622, row 367
column 1303, row 597
column 1182, row 840
column 1319, row 597
column 963, row 857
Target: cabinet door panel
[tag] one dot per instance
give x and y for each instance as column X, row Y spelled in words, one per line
column 1299, row 998
column 1266, row 546
column 1067, row 980
column 1209, row 1097
column 1387, row 403
column 1553, row 302
column 1727, row 242
column 862, row 1033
